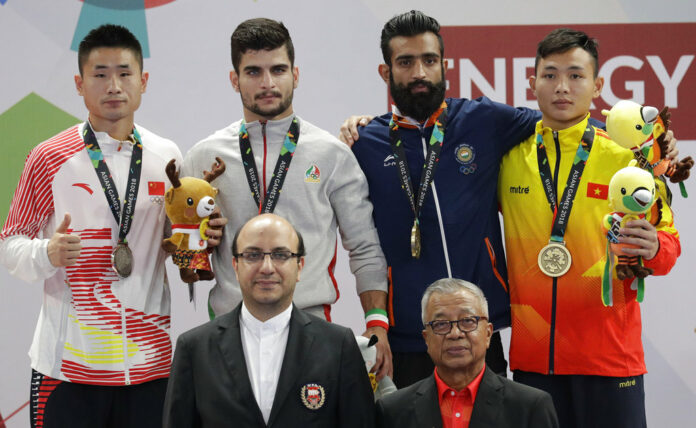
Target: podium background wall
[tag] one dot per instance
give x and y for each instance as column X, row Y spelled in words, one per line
column 337, row 51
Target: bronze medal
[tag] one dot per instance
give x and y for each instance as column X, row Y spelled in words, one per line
column 554, row 259
column 415, row 240
column 122, row 260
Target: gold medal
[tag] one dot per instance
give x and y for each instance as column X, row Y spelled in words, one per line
column 554, row 259
column 122, row 260
column 415, row 240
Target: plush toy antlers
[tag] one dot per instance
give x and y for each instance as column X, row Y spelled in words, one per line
column 217, row 170
column 172, row 173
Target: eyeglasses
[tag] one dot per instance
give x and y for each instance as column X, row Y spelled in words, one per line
column 465, row 325
column 279, row 256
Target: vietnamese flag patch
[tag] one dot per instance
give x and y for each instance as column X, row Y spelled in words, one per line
column 597, row 191
column 155, row 188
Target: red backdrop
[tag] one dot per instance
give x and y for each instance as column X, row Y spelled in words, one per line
column 638, row 61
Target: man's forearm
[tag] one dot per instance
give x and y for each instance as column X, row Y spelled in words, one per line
column 373, row 299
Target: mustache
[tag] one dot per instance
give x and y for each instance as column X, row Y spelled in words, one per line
column 267, row 93
column 428, row 84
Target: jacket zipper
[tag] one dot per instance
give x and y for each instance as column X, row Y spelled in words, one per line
column 263, row 132
column 554, row 289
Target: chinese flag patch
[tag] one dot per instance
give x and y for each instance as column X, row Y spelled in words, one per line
column 597, row 191
column 155, row 188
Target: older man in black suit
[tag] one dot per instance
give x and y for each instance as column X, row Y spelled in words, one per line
column 462, row 392
column 267, row 363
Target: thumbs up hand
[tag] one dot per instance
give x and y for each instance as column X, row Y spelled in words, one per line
column 63, row 248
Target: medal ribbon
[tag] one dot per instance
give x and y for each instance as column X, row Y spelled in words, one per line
column 123, row 218
column 279, row 173
column 561, row 213
column 432, row 157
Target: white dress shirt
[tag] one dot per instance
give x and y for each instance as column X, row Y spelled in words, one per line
column 264, row 348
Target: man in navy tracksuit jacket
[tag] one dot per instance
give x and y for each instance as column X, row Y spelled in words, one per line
column 462, row 227
column 460, row 230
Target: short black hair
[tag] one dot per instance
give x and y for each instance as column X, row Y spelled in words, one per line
column 109, row 36
column 562, row 40
column 300, row 242
column 408, row 24
column 257, row 34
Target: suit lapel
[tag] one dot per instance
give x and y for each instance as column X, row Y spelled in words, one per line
column 230, row 344
column 296, row 351
column 426, row 404
column 488, row 402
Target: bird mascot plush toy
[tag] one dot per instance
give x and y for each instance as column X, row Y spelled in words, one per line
column 189, row 204
column 369, row 354
column 631, row 194
column 642, row 129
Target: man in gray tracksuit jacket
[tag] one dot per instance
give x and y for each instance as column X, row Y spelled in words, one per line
column 324, row 187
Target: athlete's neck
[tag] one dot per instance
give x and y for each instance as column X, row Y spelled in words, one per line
column 560, row 125
column 250, row 116
column 118, row 130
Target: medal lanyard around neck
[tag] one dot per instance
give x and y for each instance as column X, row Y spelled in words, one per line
column 432, row 157
column 124, row 218
column 561, row 212
column 279, row 173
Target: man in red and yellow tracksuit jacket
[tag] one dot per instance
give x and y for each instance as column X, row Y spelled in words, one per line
column 560, row 325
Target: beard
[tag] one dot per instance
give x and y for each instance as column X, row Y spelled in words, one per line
column 269, row 113
column 420, row 106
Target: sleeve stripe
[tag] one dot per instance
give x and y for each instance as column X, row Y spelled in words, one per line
column 32, row 203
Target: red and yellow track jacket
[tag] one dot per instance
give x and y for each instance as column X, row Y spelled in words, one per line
column 560, row 326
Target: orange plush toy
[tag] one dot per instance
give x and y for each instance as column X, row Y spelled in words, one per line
column 189, row 204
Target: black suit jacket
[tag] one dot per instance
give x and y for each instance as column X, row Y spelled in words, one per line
column 209, row 384
column 499, row 403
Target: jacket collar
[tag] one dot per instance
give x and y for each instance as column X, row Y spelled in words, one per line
column 488, row 401
column 275, row 131
column 409, row 122
column 426, row 404
column 569, row 136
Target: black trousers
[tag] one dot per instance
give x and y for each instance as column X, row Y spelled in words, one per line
column 66, row 404
column 583, row 401
column 410, row 367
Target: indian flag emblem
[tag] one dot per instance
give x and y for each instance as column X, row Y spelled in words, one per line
column 312, row 175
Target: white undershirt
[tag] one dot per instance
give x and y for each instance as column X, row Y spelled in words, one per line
column 264, row 348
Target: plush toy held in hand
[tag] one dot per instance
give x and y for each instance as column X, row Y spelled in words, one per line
column 189, row 204
column 638, row 128
column 631, row 194
column 369, row 354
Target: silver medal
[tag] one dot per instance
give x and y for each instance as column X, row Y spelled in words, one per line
column 122, row 260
